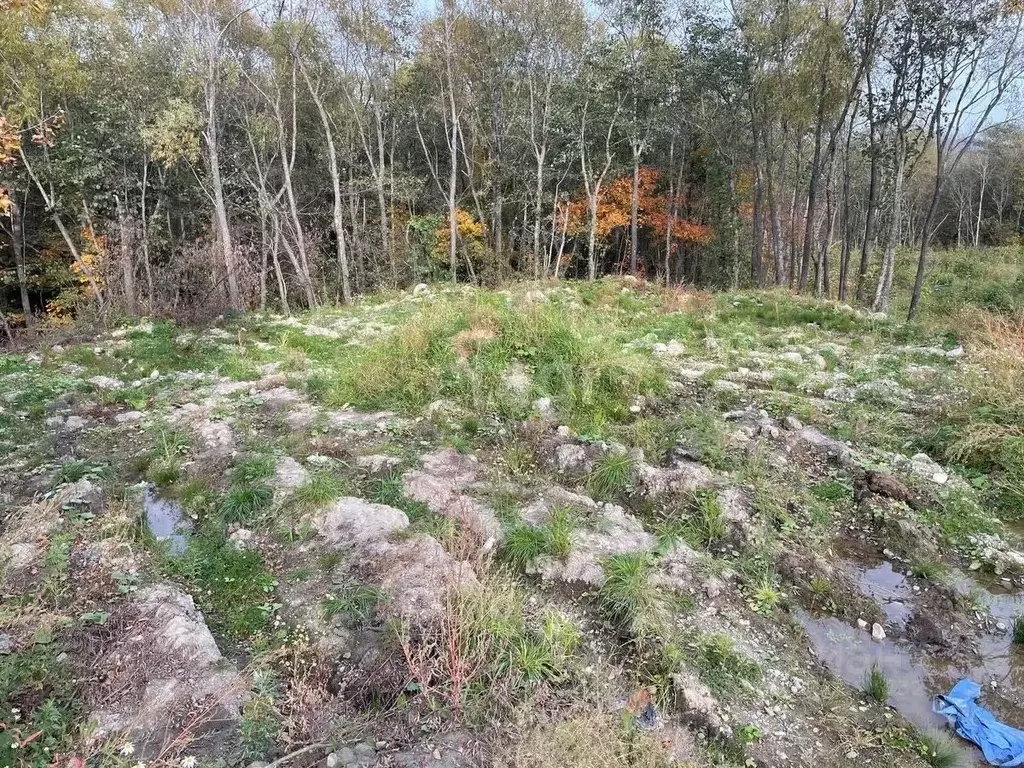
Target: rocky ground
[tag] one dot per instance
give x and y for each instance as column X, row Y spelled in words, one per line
column 587, row 525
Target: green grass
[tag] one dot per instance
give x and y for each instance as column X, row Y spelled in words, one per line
column 78, row 469
column 704, row 524
column 1018, row 630
column 231, row 586
column 611, row 477
column 524, row 544
column 876, row 686
column 722, row 668
column 253, row 469
column 927, row 569
column 243, row 504
column 319, row 490
column 941, row 750
column 627, row 595
column 356, row 602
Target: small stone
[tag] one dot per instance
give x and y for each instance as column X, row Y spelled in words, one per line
column 333, row 760
column 381, row 744
column 953, row 354
column 6, row 645
column 422, row 289
column 1001, row 626
column 792, row 357
column 940, row 478
column 861, row 624
column 74, row 423
column 437, row 754
column 877, row 633
column 792, row 423
column 155, row 374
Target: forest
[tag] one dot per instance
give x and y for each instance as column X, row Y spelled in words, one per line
column 183, row 158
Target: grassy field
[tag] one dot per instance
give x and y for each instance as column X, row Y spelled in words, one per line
column 489, row 527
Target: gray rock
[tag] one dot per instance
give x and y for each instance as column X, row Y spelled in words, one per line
column 571, row 457
column 877, row 632
column 289, row 474
column 128, row 417
column 545, row 408
column 441, row 483
column 955, row 354
column 792, row 357
column 105, row 382
column 377, row 464
column 350, row 521
column 6, row 644
column 74, row 423
column 792, row 423
column 615, row 532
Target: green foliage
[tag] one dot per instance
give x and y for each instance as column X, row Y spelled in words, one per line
column 253, row 469
column 876, row 686
column 36, row 682
column 627, row 595
column 612, row 476
column 1018, row 630
column 319, row 490
column 523, row 545
column 230, row 585
column 260, row 725
column 356, row 602
column 724, row 670
column 244, row 503
column 78, row 469
column 940, row 750
column 706, row 522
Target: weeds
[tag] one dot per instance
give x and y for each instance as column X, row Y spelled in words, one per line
column 929, row 570
column 940, row 750
column 356, row 602
column 1018, row 630
column 876, row 685
column 243, row 503
column 611, row 477
column 319, row 490
column 627, row 595
column 724, row 670
column 706, row 523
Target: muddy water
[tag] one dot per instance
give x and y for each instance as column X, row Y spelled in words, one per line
column 890, row 589
column 916, row 674
column 165, row 520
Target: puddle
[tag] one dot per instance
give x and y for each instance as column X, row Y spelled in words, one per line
column 915, row 674
column 165, row 520
column 890, row 589
column 850, row 653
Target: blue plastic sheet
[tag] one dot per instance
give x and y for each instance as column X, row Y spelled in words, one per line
column 1001, row 744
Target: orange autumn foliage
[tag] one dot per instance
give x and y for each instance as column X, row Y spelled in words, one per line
column 614, row 205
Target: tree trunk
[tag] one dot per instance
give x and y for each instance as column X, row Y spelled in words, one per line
column 127, row 266
column 634, row 211
column 212, row 136
column 17, row 245
column 332, row 164
column 756, row 265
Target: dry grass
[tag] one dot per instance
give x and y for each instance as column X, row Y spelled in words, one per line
column 591, row 740
column 997, row 343
column 686, row 300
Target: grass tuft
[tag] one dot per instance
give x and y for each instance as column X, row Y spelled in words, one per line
column 611, row 477
column 627, row 595
column 876, row 686
column 319, row 490
column 244, row 503
column 1018, row 630
column 940, row 750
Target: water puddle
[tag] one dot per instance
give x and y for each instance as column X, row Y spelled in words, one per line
column 850, row 653
column 165, row 519
column 916, row 674
column 890, row 589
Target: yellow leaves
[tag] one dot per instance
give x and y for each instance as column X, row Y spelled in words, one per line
column 5, row 202
column 92, row 257
column 34, row 8
column 470, row 231
column 175, row 135
column 10, row 142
